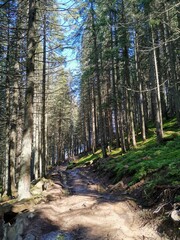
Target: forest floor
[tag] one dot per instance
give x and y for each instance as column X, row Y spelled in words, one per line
column 87, row 211
column 125, row 196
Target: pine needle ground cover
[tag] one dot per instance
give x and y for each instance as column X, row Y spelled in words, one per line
column 156, row 164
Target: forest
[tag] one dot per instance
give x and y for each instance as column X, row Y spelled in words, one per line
column 86, row 78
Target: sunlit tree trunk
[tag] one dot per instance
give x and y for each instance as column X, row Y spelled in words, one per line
column 109, row 110
column 94, row 127
column 24, row 181
column 36, row 135
column 159, row 123
column 7, row 183
column 120, row 96
column 141, row 102
column 43, row 124
column 114, row 86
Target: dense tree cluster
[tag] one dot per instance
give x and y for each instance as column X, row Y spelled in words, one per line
column 130, row 71
column 34, row 90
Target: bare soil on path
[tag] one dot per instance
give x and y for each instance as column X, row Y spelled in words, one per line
column 87, row 211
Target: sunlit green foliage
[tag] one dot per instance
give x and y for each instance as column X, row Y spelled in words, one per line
column 157, row 164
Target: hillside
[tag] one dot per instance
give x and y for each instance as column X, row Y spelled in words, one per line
column 149, row 173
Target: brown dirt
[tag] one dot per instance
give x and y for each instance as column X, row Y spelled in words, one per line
column 87, row 211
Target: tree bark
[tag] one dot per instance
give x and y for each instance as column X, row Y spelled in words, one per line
column 159, row 123
column 142, row 114
column 114, row 88
column 43, row 125
column 94, row 123
column 24, row 181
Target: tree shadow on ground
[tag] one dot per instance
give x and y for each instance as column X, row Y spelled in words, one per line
column 44, row 229
column 40, row 227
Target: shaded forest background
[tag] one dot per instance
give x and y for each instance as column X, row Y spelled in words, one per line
column 129, row 76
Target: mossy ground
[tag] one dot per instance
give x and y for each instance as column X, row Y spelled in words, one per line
column 158, row 164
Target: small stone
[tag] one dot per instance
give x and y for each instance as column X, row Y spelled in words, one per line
column 30, row 236
column 175, row 215
column 19, row 238
column 31, row 215
column 11, row 233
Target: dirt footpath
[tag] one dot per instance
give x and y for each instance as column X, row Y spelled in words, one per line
column 88, row 212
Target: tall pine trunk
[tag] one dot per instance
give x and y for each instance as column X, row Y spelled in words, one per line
column 43, row 124
column 94, row 122
column 138, row 76
column 159, row 123
column 115, row 108
column 24, row 181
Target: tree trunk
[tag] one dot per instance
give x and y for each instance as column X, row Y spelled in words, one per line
column 120, row 96
column 129, row 103
column 36, row 136
column 159, row 123
column 43, row 125
column 94, row 127
column 7, row 183
column 13, row 137
column 114, row 88
column 142, row 115
column 24, row 181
